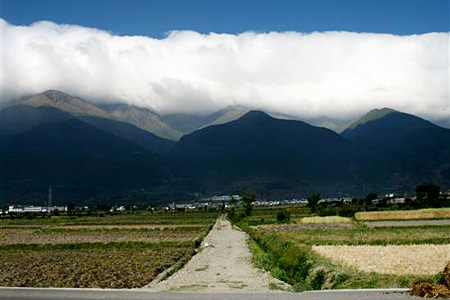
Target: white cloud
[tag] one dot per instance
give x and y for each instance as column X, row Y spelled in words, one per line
column 334, row 74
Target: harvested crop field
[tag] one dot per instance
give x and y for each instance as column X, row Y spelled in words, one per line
column 426, row 213
column 391, row 259
column 86, row 268
column 63, row 235
column 326, row 220
column 114, row 251
column 347, row 234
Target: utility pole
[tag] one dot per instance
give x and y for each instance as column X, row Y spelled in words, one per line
column 50, row 196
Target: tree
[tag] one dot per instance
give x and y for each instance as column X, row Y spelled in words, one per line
column 428, row 194
column 313, row 200
column 369, row 198
column 283, row 215
column 247, row 200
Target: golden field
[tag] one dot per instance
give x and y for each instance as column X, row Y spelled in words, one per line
column 326, row 220
column 392, row 259
column 426, row 213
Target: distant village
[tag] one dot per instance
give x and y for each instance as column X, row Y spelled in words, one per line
column 214, row 202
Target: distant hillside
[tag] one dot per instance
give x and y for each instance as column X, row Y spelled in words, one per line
column 385, row 128
column 227, row 115
column 372, row 115
column 402, row 150
column 20, row 118
column 64, row 102
column 130, row 132
column 144, row 119
column 264, row 153
column 72, row 152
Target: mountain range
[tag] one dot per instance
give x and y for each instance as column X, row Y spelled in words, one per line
column 114, row 152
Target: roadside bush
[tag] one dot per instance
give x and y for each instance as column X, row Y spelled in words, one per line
column 283, row 215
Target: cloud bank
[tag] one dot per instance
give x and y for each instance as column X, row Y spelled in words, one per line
column 331, row 74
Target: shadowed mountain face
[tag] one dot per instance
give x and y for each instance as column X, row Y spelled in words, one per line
column 259, row 150
column 20, row 118
column 56, row 139
column 403, row 149
column 387, row 130
column 130, row 132
column 75, row 153
column 42, row 146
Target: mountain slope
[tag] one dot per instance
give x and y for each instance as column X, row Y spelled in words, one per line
column 130, row 132
column 403, row 150
column 261, row 152
column 64, row 102
column 73, row 153
column 20, row 118
column 385, row 128
column 144, row 119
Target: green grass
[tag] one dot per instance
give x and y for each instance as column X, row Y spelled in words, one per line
column 288, row 255
column 299, row 266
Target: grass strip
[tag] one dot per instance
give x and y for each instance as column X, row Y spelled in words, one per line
column 300, row 266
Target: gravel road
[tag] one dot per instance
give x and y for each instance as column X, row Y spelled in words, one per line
column 222, row 265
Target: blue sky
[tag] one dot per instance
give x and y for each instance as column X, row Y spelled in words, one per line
column 155, row 18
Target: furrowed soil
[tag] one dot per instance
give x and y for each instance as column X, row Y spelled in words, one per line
column 224, row 264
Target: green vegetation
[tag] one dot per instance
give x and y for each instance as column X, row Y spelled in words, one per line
column 313, row 200
column 286, row 249
column 298, row 265
column 428, row 194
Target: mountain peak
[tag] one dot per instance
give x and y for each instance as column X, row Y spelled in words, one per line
column 67, row 103
column 57, row 96
column 372, row 115
column 255, row 114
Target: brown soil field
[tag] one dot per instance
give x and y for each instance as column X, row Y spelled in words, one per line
column 71, row 236
column 392, row 259
column 86, row 268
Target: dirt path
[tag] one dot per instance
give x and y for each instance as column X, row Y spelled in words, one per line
column 223, row 264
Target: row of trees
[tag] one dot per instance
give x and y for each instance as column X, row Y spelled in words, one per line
column 427, row 195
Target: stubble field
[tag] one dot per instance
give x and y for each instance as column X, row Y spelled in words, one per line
column 122, row 251
column 332, row 253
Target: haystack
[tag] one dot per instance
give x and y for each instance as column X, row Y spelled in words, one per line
column 426, row 289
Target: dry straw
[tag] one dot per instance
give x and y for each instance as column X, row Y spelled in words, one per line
column 326, row 220
column 426, row 213
column 391, row 259
column 426, row 289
